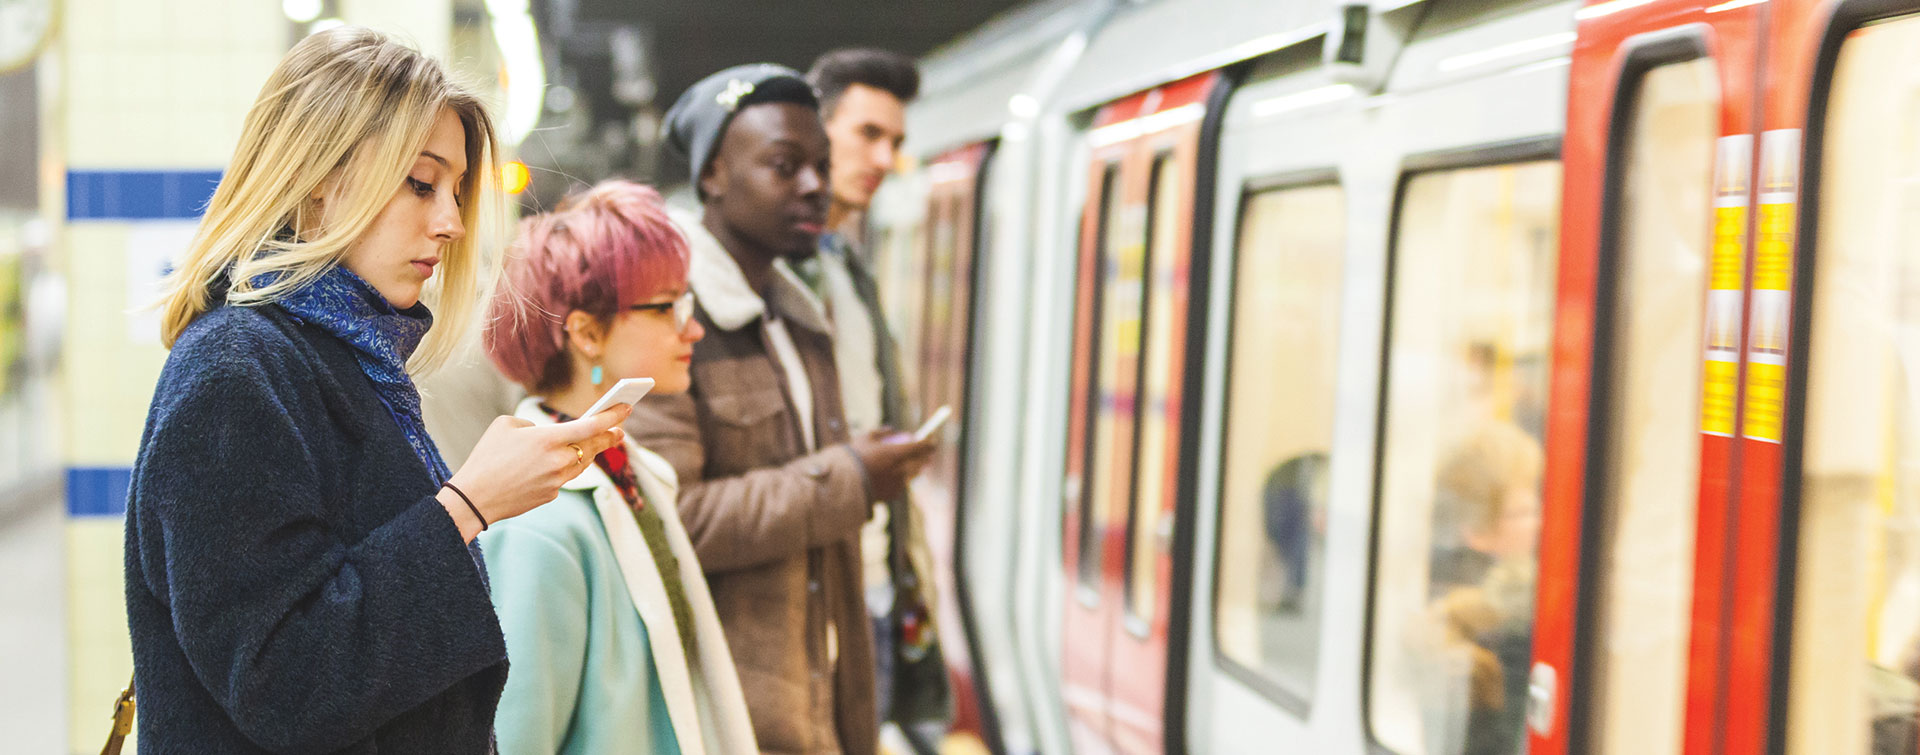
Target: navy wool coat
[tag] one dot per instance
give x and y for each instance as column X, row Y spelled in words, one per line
column 292, row 584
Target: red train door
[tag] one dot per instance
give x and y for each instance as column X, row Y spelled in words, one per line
column 1130, row 323
column 1635, row 566
column 1825, row 657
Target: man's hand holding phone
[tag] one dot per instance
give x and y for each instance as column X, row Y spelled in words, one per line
column 933, row 423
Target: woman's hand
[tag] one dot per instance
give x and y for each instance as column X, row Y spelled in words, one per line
column 517, row 466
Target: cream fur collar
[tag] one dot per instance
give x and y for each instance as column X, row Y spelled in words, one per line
column 723, row 291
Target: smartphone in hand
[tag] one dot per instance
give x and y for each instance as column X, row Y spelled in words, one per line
column 628, row 391
column 933, row 424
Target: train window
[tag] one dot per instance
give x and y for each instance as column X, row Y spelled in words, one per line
column 1151, row 493
column 1109, row 294
column 1123, row 282
column 899, row 263
column 1855, row 665
column 1643, row 584
column 942, row 365
column 1279, row 435
column 1459, row 515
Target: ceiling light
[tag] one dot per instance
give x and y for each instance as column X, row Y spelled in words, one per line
column 301, row 11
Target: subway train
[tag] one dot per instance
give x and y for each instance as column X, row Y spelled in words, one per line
column 1425, row 377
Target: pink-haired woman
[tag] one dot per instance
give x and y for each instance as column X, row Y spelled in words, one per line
column 610, row 629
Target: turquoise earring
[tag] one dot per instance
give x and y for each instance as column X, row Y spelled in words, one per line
column 598, row 376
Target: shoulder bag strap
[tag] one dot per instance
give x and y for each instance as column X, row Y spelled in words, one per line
column 122, row 721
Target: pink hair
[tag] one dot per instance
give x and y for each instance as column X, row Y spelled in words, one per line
column 602, row 251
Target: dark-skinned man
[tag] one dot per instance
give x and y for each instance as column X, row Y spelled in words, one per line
column 863, row 100
column 773, row 486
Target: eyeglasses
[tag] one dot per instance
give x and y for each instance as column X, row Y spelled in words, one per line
column 681, row 309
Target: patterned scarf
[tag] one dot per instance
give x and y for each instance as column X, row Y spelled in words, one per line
column 382, row 338
column 653, row 529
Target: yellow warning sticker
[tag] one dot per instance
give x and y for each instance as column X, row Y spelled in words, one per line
column 1720, row 374
column 1773, row 255
column 1769, row 318
column 1718, row 397
column 1766, row 394
column 1729, row 235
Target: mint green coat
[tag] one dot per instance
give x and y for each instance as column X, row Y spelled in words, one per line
column 595, row 661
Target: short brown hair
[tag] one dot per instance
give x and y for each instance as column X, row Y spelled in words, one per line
column 887, row 71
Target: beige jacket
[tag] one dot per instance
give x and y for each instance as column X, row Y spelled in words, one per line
column 775, row 526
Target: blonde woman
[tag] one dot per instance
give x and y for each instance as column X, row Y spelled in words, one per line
column 300, row 567
column 615, row 643
column 1489, row 495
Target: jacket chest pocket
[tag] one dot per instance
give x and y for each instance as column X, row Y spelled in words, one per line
column 750, row 429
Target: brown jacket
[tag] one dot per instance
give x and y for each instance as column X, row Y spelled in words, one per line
column 776, row 527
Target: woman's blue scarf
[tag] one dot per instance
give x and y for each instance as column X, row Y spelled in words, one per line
column 382, row 338
column 349, row 308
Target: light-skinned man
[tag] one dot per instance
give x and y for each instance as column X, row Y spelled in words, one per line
column 863, row 99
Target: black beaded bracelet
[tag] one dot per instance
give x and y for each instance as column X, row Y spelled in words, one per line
column 469, row 502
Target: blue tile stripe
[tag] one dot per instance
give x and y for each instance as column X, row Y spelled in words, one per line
column 98, row 491
column 139, row 194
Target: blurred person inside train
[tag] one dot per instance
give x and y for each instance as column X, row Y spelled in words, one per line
column 1294, row 497
column 1487, row 507
column 1483, row 585
column 1893, row 699
column 300, row 567
column 773, row 486
column 615, row 644
column 863, row 100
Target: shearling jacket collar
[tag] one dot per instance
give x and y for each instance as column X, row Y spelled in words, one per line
column 707, row 709
column 723, row 291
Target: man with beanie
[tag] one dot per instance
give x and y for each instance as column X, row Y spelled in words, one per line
column 863, row 100
column 774, row 488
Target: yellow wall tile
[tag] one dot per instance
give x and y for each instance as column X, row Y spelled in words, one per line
column 142, row 22
column 87, row 22
column 108, row 377
column 100, row 651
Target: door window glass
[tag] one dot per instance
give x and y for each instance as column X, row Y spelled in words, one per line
column 1469, row 338
column 1640, row 634
column 1109, row 294
column 1855, row 666
column 1279, row 434
column 1152, row 492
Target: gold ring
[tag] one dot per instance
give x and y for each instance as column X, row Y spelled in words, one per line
column 578, row 455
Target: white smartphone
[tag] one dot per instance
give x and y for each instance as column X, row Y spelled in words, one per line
column 628, row 391
column 933, row 423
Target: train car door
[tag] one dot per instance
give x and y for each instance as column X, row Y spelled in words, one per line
column 1637, row 581
column 940, row 349
column 1130, row 326
column 1829, row 649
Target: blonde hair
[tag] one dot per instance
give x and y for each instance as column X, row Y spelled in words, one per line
column 1475, row 478
column 347, row 112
